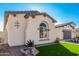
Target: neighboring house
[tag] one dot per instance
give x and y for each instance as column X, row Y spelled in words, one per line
column 21, row 26
column 65, row 31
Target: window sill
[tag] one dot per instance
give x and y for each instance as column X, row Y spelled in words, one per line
column 44, row 39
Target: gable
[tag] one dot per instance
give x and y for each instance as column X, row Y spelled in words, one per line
column 27, row 15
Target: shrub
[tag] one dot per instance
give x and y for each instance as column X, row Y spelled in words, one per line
column 30, row 43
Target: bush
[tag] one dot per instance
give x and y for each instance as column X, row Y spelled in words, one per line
column 30, row 43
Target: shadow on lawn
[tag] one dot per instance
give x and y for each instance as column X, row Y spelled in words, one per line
column 54, row 50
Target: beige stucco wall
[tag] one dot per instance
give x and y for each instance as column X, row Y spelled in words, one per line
column 59, row 31
column 3, row 37
column 77, row 32
column 28, row 30
column 32, row 31
column 16, row 36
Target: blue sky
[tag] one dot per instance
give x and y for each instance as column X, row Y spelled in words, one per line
column 62, row 12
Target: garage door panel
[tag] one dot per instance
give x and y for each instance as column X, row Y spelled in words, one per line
column 66, row 34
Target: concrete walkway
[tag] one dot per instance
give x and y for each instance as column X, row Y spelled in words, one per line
column 5, row 50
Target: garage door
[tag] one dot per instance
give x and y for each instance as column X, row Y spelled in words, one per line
column 66, row 34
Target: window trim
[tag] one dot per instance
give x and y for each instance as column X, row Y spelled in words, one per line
column 47, row 29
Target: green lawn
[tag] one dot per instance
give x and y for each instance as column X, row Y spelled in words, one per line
column 59, row 49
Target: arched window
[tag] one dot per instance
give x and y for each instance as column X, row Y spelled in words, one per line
column 43, row 30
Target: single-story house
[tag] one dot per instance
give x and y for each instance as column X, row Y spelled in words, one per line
column 20, row 26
